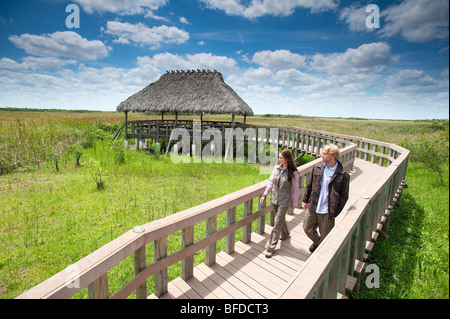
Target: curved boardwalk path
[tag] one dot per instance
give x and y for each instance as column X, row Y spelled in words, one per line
column 247, row 273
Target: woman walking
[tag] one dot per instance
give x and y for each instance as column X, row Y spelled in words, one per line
column 283, row 185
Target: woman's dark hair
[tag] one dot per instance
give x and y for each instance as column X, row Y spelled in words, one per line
column 292, row 168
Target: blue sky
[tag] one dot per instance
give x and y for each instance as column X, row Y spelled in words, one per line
column 308, row 57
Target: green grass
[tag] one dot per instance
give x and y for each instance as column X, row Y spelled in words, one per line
column 413, row 261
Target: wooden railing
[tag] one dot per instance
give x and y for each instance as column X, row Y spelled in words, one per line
column 339, row 253
column 308, row 142
column 161, row 129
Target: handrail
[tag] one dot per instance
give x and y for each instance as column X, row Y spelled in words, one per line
column 92, row 270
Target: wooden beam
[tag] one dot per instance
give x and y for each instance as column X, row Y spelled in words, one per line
column 99, row 288
column 187, row 268
column 230, row 239
column 210, row 250
column 139, row 265
column 161, row 276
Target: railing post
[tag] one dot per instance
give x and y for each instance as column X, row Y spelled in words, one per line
column 161, row 277
column 157, row 132
column 187, row 270
column 352, row 250
column 313, row 144
column 99, row 288
column 302, row 142
column 374, row 149
column 361, row 245
column 383, row 150
column 322, row 291
column 370, row 226
column 319, row 145
column 247, row 231
column 333, row 281
column 262, row 220
column 139, row 265
column 308, row 144
column 210, row 251
column 345, row 260
column 365, row 153
column 230, row 238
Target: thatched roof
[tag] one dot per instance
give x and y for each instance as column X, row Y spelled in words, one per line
column 187, row 91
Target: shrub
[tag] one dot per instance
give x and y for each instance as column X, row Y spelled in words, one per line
column 432, row 150
column 97, row 172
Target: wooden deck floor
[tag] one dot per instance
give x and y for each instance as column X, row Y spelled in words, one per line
column 247, row 273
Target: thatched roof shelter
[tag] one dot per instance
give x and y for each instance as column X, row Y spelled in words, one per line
column 200, row 91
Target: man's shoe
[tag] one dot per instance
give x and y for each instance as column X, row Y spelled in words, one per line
column 268, row 253
column 312, row 248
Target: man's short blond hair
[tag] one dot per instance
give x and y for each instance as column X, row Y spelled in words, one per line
column 332, row 150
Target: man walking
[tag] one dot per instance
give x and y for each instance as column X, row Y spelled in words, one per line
column 326, row 195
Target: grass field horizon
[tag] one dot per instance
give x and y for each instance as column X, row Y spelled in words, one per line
column 51, row 217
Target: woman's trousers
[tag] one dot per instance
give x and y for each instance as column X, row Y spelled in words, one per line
column 279, row 229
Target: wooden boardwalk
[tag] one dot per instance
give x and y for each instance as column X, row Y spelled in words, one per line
column 247, row 273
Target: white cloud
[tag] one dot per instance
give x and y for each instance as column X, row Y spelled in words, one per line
column 355, row 17
column 371, row 57
column 61, row 44
column 184, row 20
column 122, row 7
column 355, row 70
column 141, row 34
column 304, row 82
column 33, row 64
column 258, row 8
column 412, row 80
column 251, row 77
column 280, row 59
column 82, row 88
column 169, row 61
column 49, row 83
column 210, row 61
column 417, row 20
column 152, row 15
